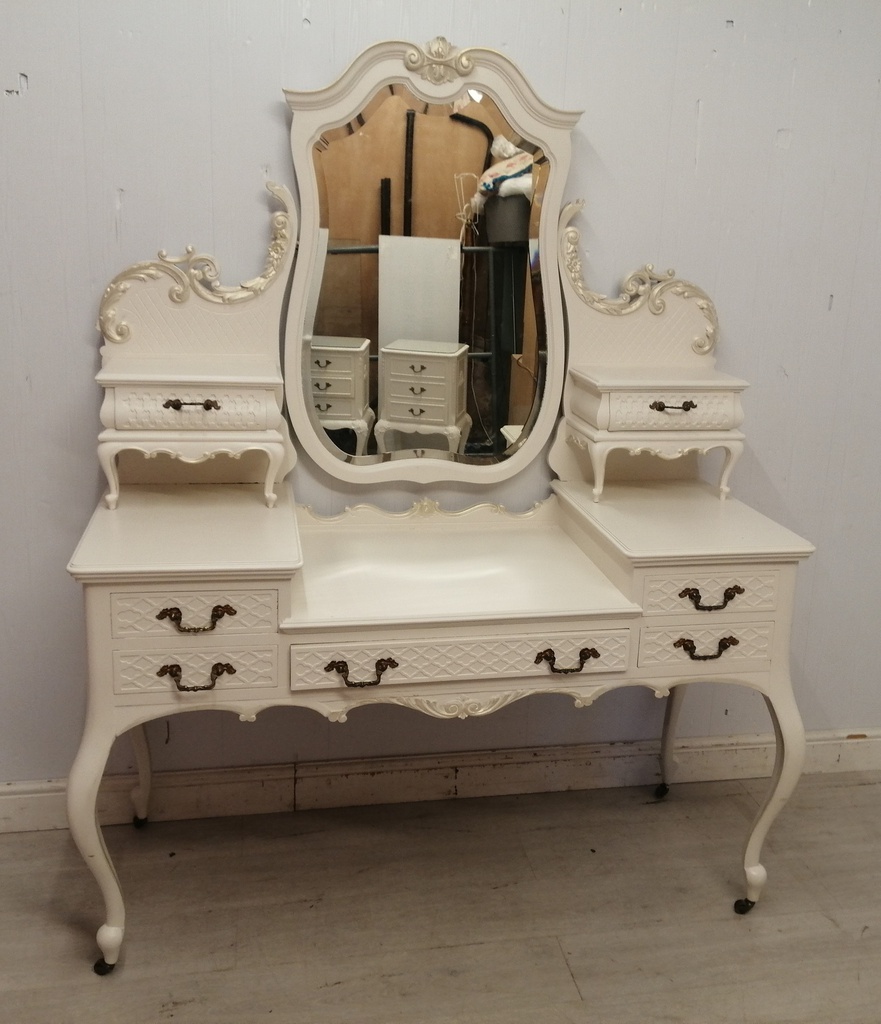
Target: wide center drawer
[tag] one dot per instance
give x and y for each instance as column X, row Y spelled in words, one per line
column 427, row 661
column 173, row 612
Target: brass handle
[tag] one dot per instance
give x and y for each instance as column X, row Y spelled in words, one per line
column 322, row 364
column 690, row 648
column 584, row 655
column 176, row 672
column 416, row 391
column 177, row 404
column 323, row 408
column 418, row 369
column 175, row 616
column 660, row 406
column 322, row 385
column 342, row 667
column 728, row 594
column 416, row 412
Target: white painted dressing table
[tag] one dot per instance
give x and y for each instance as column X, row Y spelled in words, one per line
column 199, row 595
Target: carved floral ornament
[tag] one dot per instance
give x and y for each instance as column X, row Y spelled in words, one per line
column 199, row 273
column 644, row 287
column 439, row 62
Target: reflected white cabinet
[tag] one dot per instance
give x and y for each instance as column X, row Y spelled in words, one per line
column 422, row 389
column 339, row 384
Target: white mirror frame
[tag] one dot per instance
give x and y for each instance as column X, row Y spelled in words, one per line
column 437, row 73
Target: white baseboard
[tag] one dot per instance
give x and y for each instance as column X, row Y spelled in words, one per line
column 31, row 806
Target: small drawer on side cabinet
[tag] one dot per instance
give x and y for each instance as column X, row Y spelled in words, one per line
column 324, row 387
column 335, row 407
column 532, row 656
column 196, row 670
column 725, row 590
column 177, row 613
column 673, row 410
column 710, row 648
column 188, row 407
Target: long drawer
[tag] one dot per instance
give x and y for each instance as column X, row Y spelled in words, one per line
column 189, row 407
column 535, row 655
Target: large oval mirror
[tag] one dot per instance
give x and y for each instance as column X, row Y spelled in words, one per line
column 424, row 330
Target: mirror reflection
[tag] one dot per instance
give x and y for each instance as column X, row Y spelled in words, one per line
column 425, row 330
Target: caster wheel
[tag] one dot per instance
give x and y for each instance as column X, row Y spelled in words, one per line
column 102, row 967
column 743, row 906
column 661, row 791
column 140, row 822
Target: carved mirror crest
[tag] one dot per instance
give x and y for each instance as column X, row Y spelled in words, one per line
column 424, row 337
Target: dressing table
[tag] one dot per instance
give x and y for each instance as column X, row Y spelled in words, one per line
column 201, row 592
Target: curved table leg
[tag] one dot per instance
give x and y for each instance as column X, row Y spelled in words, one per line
column 107, row 453
column 82, row 798
column 733, row 451
column 141, row 793
column 668, row 735
column 598, row 454
column 789, row 735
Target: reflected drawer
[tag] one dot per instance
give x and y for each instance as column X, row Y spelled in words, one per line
column 338, row 408
column 170, row 613
column 471, row 658
column 334, row 387
column 418, row 411
column 202, row 669
column 705, row 648
column 725, row 590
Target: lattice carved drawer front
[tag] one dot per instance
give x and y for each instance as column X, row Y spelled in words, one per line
column 430, row 661
column 247, row 668
column 171, row 613
column 191, row 407
column 673, row 410
column 708, row 648
column 711, row 592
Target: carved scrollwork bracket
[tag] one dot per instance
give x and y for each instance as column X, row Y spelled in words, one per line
column 439, row 61
column 199, row 274
column 644, row 287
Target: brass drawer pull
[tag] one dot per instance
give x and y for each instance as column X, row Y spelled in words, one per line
column 322, row 364
column 419, row 368
column 177, row 404
column 323, row 408
column 322, row 385
column 690, row 648
column 416, row 412
column 694, row 595
column 416, row 391
column 342, row 667
column 176, row 673
column 660, row 406
column 174, row 615
column 584, row 656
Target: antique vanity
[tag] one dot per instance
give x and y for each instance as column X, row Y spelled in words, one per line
column 208, row 584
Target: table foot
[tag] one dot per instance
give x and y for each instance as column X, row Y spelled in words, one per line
column 743, row 906
column 661, row 790
column 102, row 967
column 140, row 822
column 109, row 942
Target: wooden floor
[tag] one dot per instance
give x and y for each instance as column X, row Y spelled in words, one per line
column 603, row 906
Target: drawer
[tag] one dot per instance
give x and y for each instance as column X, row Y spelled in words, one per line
column 410, row 390
column 418, row 369
column 338, row 408
column 705, row 648
column 703, row 410
column 155, row 408
column 336, row 361
column 332, row 387
column 139, row 614
column 139, row 672
column 473, row 658
column 710, row 592
column 418, row 411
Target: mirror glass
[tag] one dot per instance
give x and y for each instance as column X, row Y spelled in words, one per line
column 424, row 328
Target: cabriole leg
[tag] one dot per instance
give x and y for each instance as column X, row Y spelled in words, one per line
column 141, row 793
column 82, row 799
column 789, row 735
column 668, row 735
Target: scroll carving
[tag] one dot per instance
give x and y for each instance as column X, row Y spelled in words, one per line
column 644, row 287
column 439, row 61
column 199, row 274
